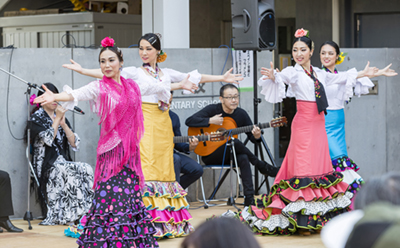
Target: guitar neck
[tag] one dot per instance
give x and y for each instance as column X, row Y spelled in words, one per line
column 247, row 128
column 185, row 139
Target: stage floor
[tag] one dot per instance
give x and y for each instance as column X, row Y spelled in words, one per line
column 53, row 236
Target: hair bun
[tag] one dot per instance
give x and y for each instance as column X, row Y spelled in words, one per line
column 158, row 35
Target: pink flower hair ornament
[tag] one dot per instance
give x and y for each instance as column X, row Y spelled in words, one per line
column 31, row 99
column 107, row 42
column 301, row 33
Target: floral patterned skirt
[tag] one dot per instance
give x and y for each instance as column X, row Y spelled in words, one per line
column 69, row 191
column 118, row 217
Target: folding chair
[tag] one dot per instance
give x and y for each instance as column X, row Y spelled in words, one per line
column 232, row 166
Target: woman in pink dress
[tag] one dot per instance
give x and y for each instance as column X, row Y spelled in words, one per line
column 306, row 192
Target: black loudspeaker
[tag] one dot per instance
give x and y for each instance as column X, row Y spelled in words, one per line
column 253, row 24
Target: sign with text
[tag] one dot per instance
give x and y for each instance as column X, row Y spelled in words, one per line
column 243, row 64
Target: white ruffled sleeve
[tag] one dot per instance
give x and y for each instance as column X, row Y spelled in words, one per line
column 85, row 93
column 274, row 91
column 346, row 79
column 362, row 86
column 177, row 76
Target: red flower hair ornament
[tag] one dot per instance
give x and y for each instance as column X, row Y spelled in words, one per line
column 107, row 42
column 301, row 33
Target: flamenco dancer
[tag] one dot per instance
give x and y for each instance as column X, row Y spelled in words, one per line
column 306, row 192
column 162, row 195
column 331, row 56
column 118, row 216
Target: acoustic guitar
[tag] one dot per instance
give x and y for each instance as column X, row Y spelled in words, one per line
column 220, row 133
column 205, row 137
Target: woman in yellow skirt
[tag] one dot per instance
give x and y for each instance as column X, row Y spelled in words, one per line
column 162, row 195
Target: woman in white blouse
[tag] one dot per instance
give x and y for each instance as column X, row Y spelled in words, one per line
column 162, row 195
column 331, row 56
column 306, row 192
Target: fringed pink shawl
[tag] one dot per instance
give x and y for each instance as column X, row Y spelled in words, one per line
column 121, row 120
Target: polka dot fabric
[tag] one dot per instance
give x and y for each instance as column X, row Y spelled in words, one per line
column 118, row 217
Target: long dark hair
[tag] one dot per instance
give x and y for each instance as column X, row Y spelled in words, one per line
column 221, row 232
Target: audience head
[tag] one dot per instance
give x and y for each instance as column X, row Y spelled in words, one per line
column 221, row 232
column 379, row 226
column 385, row 188
column 375, row 222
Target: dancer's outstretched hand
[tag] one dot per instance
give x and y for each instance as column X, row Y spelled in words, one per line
column 186, row 84
column 73, row 66
column 232, row 78
column 369, row 71
column 268, row 73
column 45, row 98
column 387, row 71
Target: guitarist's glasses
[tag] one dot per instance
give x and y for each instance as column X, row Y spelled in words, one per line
column 231, row 98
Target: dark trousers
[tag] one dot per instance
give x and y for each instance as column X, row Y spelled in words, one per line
column 191, row 170
column 244, row 157
column 6, row 207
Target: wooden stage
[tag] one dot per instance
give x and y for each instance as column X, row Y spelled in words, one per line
column 53, row 236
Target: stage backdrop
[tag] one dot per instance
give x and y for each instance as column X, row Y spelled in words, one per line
column 372, row 132
column 44, row 65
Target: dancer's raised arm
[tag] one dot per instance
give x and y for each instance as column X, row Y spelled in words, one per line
column 228, row 77
column 96, row 73
column 49, row 97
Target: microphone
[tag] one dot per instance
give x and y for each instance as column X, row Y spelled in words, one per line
column 79, row 110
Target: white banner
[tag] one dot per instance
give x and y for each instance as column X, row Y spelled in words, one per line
column 243, row 64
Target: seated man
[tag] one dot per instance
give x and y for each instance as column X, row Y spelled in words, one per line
column 183, row 164
column 6, row 207
column 213, row 114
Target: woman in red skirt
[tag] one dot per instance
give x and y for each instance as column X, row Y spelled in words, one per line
column 306, row 192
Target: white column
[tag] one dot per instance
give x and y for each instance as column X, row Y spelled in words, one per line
column 170, row 19
column 335, row 21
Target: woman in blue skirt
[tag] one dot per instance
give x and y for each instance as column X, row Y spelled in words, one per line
column 331, row 56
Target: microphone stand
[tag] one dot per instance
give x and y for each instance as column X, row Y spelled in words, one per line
column 28, row 215
column 231, row 199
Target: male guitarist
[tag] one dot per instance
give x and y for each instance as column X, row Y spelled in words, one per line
column 182, row 163
column 214, row 114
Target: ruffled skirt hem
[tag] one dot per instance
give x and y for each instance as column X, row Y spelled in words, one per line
column 118, row 217
column 168, row 208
